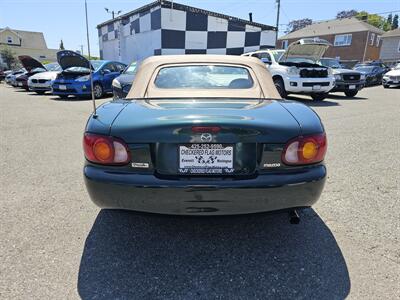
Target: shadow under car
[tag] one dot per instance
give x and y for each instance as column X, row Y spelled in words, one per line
column 129, row 255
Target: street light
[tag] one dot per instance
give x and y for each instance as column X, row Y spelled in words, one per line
column 112, row 12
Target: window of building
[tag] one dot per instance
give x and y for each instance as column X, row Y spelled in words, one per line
column 9, row 40
column 371, row 39
column 342, row 40
column 285, row 44
column 378, row 40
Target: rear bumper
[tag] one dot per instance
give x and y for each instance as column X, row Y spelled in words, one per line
column 147, row 193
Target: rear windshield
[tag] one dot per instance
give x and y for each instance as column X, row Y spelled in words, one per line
column 204, row 77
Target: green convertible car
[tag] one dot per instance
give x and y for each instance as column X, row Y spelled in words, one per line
column 204, row 135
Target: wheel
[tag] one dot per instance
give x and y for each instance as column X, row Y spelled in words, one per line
column 385, row 86
column 98, row 90
column 318, row 97
column 63, row 96
column 350, row 93
column 280, row 87
column 40, row 92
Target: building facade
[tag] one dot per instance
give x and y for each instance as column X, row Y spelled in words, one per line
column 30, row 43
column 390, row 50
column 165, row 27
column 351, row 39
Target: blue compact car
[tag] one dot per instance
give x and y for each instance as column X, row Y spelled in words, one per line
column 75, row 76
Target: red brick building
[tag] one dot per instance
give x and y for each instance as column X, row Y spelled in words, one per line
column 351, row 39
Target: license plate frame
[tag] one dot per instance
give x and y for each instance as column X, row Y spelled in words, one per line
column 352, row 87
column 316, row 87
column 62, row 87
column 206, row 159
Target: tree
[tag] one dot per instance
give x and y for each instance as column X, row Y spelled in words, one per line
column 389, row 19
column 62, row 45
column 374, row 20
column 8, row 57
column 346, row 14
column 298, row 24
column 395, row 23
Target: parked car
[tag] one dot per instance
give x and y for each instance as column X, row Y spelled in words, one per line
column 392, row 78
column 10, row 78
column 41, row 82
column 123, row 83
column 295, row 70
column 375, row 63
column 75, row 76
column 204, row 135
column 32, row 67
column 373, row 74
column 350, row 82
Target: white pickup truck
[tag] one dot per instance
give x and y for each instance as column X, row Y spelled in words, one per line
column 295, row 70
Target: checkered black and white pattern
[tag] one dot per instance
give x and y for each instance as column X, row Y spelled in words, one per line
column 178, row 29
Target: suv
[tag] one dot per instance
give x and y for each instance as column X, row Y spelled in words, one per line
column 295, row 70
column 347, row 81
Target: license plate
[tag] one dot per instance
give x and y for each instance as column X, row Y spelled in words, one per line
column 316, row 87
column 395, row 81
column 62, row 87
column 352, row 87
column 19, row 83
column 206, row 159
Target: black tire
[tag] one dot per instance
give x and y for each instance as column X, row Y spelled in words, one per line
column 98, row 90
column 280, row 87
column 319, row 96
column 40, row 92
column 63, row 97
column 385, row 86
column 350, row 93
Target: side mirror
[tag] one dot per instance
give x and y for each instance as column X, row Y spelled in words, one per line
column 266, row 61
column 106, row 71
column 121, row 71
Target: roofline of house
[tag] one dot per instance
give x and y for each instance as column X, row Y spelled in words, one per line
column 169, row 4
column 368, row 27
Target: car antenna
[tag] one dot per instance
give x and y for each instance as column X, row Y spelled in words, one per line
column 90, row 64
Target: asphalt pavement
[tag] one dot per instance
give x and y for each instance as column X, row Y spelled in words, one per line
column 55, row 244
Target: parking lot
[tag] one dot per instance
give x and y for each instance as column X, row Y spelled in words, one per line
column 55, row 244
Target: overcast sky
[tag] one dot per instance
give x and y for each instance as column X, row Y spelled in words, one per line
column 65, row 19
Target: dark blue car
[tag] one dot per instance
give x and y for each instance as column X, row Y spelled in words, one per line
column 75, row 77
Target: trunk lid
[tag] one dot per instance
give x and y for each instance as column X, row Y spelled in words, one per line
column 167, row 127
column 29, row 63
column 310, row 48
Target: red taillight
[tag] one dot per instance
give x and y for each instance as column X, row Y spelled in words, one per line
column 106, row 150
column 203, row 129
column 305, row 150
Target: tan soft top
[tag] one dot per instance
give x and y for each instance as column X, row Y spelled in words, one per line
column 143, row 85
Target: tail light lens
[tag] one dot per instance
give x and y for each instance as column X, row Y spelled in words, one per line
column 305, row 150
column 106, row 150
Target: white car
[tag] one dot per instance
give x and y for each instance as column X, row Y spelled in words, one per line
column 41, row 82
column 392, row 78
column 296, row 71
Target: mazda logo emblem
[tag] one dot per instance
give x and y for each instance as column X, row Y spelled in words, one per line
column 206, row 137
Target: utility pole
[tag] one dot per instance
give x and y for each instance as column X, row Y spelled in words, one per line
column 278, row 3
column 90, row 64
column 81, row 49
column 112, row 12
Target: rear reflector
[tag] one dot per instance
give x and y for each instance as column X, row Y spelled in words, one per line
column 106, row 150
column 305, row 150
column 203, row 129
